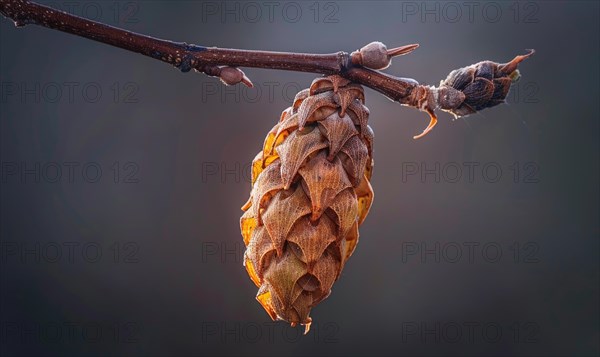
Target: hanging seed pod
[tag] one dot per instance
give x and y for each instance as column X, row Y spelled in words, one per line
column 310, row 192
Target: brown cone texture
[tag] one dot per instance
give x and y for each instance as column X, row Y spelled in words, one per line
column 310, row 192
column 483, row 85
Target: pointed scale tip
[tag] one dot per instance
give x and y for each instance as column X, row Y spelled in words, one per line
column 432, row 122
column 307, row 325
column 247, row 81
column 402, row 50
column 512, row 65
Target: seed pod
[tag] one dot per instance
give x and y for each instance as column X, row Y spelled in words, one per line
column 310, row 192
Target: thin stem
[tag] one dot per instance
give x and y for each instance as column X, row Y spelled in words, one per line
column 188, row 56
column 179, row 54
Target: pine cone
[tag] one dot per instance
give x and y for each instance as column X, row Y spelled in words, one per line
column 310, row 192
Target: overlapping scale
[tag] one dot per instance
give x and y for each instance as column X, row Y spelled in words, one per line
column 310, row 193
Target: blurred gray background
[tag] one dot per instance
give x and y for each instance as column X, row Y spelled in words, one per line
column 122, row 182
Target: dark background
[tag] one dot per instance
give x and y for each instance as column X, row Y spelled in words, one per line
column 149, row 262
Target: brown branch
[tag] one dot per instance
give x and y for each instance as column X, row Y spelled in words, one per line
column 356, row 67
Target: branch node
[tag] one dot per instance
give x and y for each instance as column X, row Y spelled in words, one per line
column 186, row 63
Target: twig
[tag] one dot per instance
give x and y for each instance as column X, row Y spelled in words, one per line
column 357, row 66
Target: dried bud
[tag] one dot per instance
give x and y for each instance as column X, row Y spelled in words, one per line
column 479, row 86
column 375, row 55
column 232, row 75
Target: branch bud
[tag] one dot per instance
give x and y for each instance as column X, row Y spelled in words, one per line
column 375, row 55
column 479, row 86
